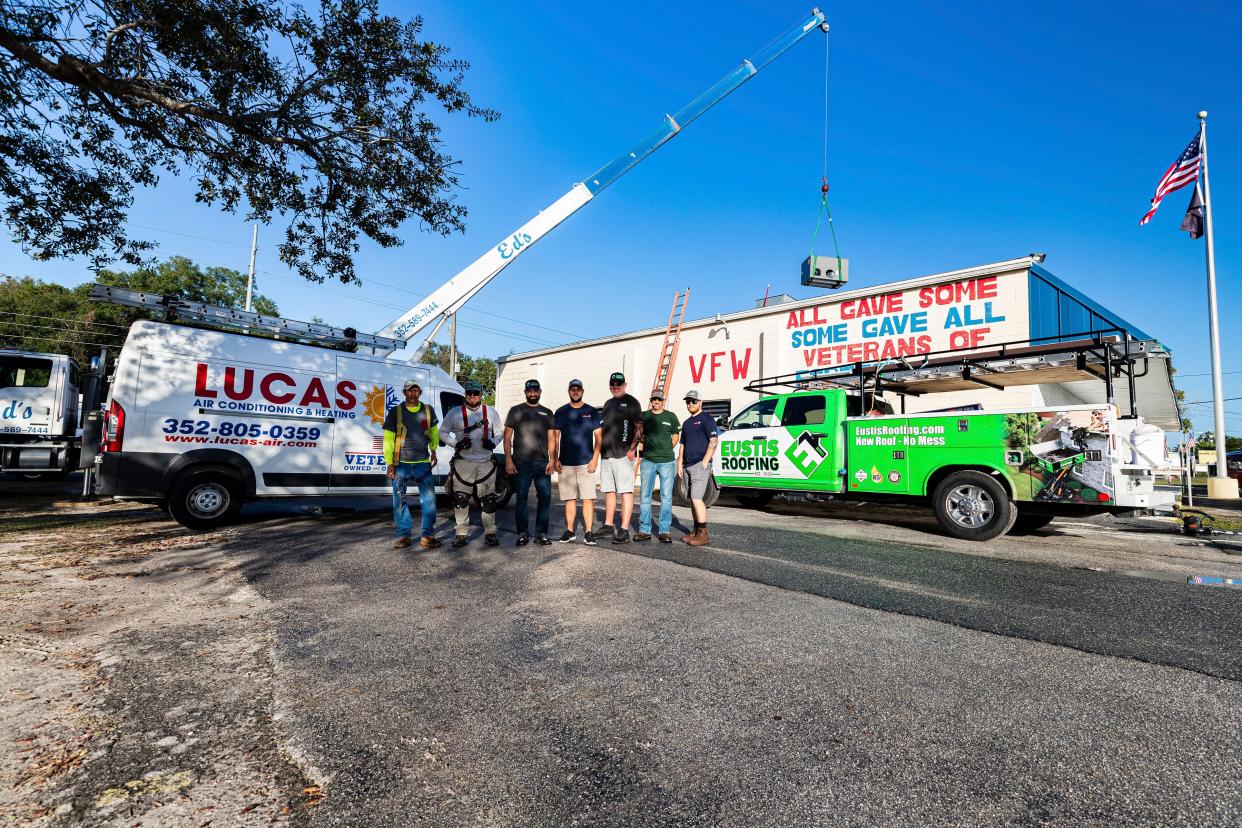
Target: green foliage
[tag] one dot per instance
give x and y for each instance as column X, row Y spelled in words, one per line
column 1020, row 429
column 39, row 316
column 1207, row 442
column 480, row 369
column 318, row 114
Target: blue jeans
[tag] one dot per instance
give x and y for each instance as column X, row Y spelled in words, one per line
column 648, row 472
column 532, row 471
column 420, row 473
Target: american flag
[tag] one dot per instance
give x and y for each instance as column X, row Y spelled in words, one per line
column 1184, row 170
column 377, row 444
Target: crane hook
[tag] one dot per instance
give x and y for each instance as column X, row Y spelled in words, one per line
column 824, row 189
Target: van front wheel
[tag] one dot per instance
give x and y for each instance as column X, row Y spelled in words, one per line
column 973, row 506
column 204, row 500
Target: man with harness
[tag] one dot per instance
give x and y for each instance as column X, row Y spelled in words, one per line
column 474, row 475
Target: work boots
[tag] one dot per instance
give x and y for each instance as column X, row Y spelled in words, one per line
column 696, row 538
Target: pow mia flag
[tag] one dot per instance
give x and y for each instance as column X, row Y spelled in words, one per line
column 1192, row 222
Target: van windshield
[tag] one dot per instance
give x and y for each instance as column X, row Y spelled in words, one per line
column 25, row 372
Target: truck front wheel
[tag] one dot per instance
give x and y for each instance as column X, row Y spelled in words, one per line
column 204, row 500
column 971, row 505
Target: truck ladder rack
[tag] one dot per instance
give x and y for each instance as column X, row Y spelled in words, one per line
column 672, row 341
column 174, row 309
column 1094, row 355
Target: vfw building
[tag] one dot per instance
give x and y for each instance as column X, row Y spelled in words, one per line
column 974, row 309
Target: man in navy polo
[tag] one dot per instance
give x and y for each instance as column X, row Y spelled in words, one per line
column 699, row 436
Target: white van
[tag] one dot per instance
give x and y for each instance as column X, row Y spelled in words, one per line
column 203, row 420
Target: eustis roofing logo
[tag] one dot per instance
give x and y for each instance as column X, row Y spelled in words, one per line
column 806, row 453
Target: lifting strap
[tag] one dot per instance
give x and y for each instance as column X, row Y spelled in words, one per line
column 824, row 209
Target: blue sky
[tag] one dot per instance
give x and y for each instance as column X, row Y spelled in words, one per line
column 959, row 134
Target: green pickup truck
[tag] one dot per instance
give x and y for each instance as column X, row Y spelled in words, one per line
column 982, row 472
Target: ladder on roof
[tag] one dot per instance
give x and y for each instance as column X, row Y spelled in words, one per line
column 672, row 340
column 172, row 308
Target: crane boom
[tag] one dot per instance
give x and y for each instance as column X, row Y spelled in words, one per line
column 453, row 294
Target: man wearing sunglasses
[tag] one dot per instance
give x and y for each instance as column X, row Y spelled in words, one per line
column 699, row 436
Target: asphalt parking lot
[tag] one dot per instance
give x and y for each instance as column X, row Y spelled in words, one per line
column 803, row 669
column 817, row 664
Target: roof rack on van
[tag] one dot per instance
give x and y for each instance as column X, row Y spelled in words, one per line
column 184, row 309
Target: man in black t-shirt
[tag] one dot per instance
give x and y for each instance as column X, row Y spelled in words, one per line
column 622, row 419
column 529, row 457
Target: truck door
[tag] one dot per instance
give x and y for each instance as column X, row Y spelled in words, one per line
column 747, row 455
column 29, row 388
column 810, row 444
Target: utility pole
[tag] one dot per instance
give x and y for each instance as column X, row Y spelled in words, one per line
column 453, row 346
column 1220, row 484
column 254, row 248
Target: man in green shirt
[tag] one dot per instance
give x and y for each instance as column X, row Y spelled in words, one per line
column 411, row 434
column 661, row 431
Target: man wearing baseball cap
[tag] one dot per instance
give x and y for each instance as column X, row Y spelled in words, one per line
column 530, row 451
column 661, row 432
column 411, row 434
column 472, row 428
column 622, row 419
column 577, row 428
column 699, row 436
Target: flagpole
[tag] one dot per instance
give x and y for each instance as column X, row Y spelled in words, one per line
column 1219, row 485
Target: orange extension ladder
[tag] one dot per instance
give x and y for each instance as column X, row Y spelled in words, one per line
column 672, row 340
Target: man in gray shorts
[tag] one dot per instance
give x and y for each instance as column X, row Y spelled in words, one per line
column 622, row 421
column 577, row 430
column 699, row 436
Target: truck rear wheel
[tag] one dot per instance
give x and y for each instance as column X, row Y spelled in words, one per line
column 205, row 499
column 681, row 496
column 971, row 505
column 754, row 500
column 1029, row 523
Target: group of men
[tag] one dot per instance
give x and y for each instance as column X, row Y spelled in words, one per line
column 574, row 442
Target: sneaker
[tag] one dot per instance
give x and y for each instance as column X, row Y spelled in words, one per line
column 402, row 542
column 664, row 538
column 588, row 538
column 460, row 541
column 491, row 540
column 543, row 540
column 523, row 539
column 429, row 542
column 642, row 536
column 567, row 536
column 621, row 536
column 609, row 531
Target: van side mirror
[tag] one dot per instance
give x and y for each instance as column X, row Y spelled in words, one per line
column 723, row 422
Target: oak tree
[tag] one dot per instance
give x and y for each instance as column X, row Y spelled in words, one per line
column 321, row 118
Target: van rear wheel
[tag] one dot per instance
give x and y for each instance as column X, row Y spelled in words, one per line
column 972, row 505
column 205, row 500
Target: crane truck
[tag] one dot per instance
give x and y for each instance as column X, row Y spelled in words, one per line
column 201, row 421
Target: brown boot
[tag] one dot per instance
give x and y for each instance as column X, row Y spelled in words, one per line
column 700, row 537
column 688, row 538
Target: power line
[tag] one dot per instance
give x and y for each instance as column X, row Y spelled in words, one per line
column 368, row 281
column 63, row 319
column 59, row 341
column 1209, row 402
column 57, row 328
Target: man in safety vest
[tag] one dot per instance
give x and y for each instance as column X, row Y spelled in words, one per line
column 472, row 429
column 411, row 434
